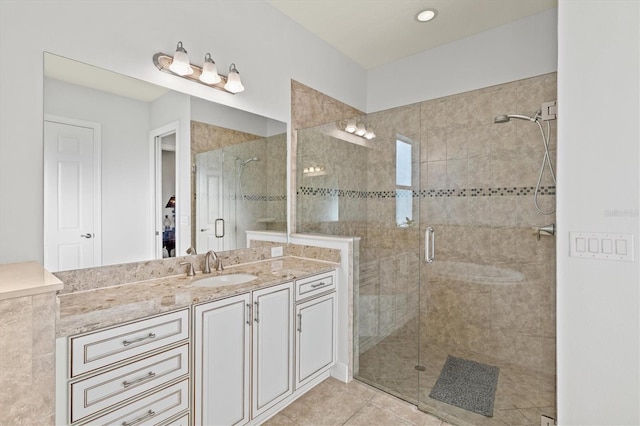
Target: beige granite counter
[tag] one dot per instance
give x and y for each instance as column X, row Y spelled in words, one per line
column 84, row 311
column 26, row 279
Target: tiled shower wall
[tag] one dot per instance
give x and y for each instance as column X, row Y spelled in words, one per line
column 491, row 289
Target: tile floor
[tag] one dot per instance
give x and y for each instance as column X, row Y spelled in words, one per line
column 521, row 396
column 335, row 403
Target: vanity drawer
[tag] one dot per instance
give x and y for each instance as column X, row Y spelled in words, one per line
column 107, row 346
column 312, row 286
column 112, row 387
column 153, row 409
column 184, row 420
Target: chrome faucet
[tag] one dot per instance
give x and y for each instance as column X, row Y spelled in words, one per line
column 207, row 266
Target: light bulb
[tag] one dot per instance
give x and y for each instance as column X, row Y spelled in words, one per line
column 209, row 71
column 360, row 130
column 180, row 63
column 369, row 135
column 351, row 126
column 234, row 85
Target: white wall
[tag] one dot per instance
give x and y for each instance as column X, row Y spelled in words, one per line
column 521, row 49
column 230, row 118
column 125, row 164
column 598, row 306
column 268, row 48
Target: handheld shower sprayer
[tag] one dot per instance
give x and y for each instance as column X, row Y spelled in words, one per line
column 245, row 162
column 546, row 159
column 509, row 117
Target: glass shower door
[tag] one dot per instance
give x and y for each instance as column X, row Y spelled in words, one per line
column 215, row 201
column 487, row 335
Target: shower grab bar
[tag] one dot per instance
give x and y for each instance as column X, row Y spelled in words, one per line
column 429, row 244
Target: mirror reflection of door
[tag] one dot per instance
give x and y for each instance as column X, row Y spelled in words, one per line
column 72, row 220
column 166, row 195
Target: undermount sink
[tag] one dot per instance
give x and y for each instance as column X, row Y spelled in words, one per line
column 221, row 280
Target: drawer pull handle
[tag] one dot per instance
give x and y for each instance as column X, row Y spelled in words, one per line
column 149, row 413
column 151, row 375
column 300, row 323
column 256, row 312
column 129, row 342
column 248, row 314
column 320, row 284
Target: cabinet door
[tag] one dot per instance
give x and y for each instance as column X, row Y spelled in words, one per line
column 272, row 346
column 222, row 330
column 315, row 342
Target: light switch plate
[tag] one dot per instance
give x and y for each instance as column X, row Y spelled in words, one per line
column 601, row 245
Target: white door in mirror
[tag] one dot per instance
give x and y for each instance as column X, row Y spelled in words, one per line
column 71, row 197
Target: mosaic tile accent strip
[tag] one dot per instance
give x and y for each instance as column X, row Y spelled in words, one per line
column 429, row 193
column 259, row 197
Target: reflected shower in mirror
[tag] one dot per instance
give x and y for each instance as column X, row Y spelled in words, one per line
column 243, row 182
column 112, row 148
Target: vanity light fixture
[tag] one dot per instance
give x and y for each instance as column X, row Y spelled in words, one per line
column 314, row 171
column 179, row 65
column 359, row 129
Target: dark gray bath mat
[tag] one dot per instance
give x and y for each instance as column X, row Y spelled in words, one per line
column 467, row 384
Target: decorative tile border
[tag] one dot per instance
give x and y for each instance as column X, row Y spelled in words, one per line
column 428, row 193
column 259, row 197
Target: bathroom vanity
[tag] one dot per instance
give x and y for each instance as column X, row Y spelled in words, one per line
column 168, row 351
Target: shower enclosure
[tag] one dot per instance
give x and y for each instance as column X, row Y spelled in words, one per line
column 451, row 269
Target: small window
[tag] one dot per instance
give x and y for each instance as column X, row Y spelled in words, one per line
column 404, row 193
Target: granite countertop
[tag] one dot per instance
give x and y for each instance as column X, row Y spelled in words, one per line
column 88, row 310
column 26, row 279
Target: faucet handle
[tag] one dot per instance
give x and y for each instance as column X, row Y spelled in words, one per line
column 190, row 271
column 219, row 266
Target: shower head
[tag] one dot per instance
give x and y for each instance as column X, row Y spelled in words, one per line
column 509, row 117
column 244, row 163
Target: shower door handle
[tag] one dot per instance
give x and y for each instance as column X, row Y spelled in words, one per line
column 429, row 244
column 219, row 228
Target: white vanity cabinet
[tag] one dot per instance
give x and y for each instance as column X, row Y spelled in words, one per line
column 315, row 327
column 135, row 373
column 243, row 355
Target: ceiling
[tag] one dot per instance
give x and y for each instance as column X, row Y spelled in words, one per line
column 376, row 32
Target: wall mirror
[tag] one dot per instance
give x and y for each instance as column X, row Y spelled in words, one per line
column 121, row 155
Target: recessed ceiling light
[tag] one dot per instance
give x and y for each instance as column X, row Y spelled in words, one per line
column 426, row 15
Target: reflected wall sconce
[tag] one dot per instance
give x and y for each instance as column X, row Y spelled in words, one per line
column 314, row 171
column 179, row 65
column 356, row 128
